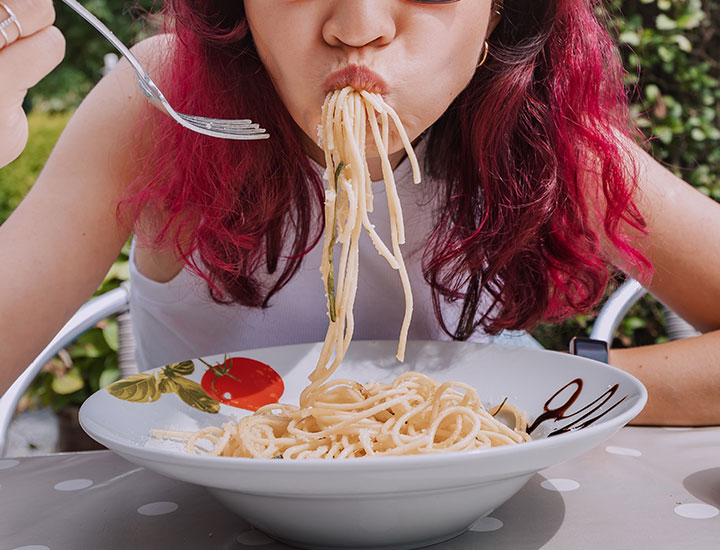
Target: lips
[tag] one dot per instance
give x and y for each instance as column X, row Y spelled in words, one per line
column 358, row 77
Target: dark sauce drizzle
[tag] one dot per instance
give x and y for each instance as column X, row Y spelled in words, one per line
column 559, row 413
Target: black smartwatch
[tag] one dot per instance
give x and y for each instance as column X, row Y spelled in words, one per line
column 590, row 348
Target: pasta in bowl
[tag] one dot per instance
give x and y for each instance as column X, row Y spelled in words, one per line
column 373, row 501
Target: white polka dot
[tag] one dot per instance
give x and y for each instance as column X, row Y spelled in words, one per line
column 624, row 451
column 253, row 537
column 486, row 524
column 73, row 484
column 560, row 485
column 9, row 463
column 157, row 508
column 696, row 511
column 32, row 547
column 227, row 395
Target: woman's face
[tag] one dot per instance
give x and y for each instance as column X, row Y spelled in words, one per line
column 422, row 56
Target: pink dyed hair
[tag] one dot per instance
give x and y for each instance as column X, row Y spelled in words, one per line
column 241, row 214
column 512, row 219
column 515, row 220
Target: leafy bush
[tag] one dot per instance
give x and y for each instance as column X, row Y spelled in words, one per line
column 671, row 52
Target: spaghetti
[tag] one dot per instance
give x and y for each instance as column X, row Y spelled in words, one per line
column 342, row 418
column 346, row 115
column 414, row 414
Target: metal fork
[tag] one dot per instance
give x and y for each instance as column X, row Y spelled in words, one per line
column 216, row 127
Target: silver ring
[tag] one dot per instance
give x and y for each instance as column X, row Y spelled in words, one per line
column 11, row 19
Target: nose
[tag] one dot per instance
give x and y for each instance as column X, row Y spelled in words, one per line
column 360, row 23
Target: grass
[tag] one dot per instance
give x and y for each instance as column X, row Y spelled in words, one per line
column 17, row 178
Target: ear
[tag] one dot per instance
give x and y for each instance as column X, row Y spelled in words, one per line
column 495, row 17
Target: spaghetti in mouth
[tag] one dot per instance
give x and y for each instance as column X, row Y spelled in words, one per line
column 342, row 418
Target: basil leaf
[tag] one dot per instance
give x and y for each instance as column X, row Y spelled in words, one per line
column 184, row 368
column 167, row 384
column 192, row 393
column 139, row 388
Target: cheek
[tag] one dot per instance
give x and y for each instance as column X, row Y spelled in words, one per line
column 428, row 93
column 288, row 67
column 439, row 70
column 307, row 114
column 298, row 89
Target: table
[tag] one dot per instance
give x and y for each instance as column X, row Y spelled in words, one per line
column 645, row 488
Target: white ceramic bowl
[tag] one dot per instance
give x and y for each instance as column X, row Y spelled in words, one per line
column 390, row 502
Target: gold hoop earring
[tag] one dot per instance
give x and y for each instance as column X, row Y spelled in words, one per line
column 483, row 59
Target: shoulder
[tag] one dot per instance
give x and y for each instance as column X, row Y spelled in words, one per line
column 115, row 114
column 154, row 52
column 110, row 131
column 121, row 83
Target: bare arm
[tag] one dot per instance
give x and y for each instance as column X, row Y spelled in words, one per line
column 682, row 378
column 683, row 244
column 59, row 243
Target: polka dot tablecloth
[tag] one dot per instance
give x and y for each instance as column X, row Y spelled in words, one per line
column 645, row 488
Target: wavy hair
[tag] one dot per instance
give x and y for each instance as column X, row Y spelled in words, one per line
column 513, row 215
column 514, row 152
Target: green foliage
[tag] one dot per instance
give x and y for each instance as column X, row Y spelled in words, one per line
column 73, row 79
column 671, row 52
column 87, row 365
column 17, row 178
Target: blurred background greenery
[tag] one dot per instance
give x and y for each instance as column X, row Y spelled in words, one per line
column 671, row 53
column 63, row 90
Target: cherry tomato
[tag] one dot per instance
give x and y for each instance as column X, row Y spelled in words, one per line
column 243, row 383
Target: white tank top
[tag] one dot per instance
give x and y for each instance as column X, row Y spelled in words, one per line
column 178, row 320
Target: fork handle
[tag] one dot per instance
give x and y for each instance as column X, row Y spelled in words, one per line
column 110, row 36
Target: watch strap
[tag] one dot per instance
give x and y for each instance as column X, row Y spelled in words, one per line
column 590, row 348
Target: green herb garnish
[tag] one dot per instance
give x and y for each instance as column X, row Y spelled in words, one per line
column 333, row 240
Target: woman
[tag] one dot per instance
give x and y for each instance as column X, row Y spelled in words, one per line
column 29, row 49
column 533, row 188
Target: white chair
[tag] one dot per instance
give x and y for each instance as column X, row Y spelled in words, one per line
column 116, row 302
column 615, row 309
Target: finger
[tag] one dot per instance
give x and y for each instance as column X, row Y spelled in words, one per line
column 24, row 63
column 32, row 16
column 13, row 135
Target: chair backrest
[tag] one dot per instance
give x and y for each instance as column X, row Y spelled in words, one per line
column 111, row 303
column 615, row 309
